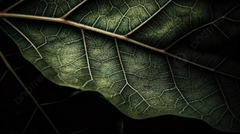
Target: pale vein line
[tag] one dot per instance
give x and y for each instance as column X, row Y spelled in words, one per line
column 29, row 121
column 225, row 100
column 73, row 9
column 86, row 53
column 8, row 22
column 238, row 21
column 143, row 23
column 4, row 74
column 114, row 35
column 28, row 92
column 200, row 66
column 175, row 85
column 120, row 60
column 185, row 35
column 174, row 81
column 125, row 76
column 210, row 23
column 221, row 31
column 220, row 63
column 12, row 6
column 87, row 58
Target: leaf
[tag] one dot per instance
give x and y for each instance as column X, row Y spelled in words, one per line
column 148, row 58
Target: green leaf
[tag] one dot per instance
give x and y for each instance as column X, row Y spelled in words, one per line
column 147, row 57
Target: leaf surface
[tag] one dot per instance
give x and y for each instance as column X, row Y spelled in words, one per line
column 148, row 58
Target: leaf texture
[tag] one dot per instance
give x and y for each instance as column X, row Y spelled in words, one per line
column 147, row 57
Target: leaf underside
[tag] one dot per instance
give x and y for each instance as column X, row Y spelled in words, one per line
column 147, row 57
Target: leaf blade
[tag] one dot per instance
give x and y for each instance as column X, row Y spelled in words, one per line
column 140, row 83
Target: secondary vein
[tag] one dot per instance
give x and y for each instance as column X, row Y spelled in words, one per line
column 40, row 55
column 86, row 53
column 73, row 9
column 143, row 23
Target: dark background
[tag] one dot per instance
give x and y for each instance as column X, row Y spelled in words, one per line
column 86, row 112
